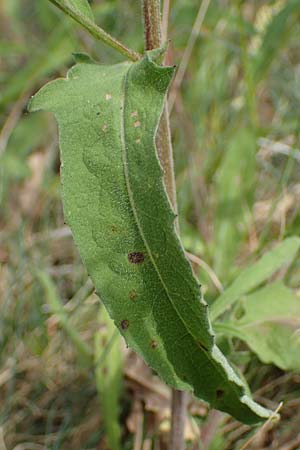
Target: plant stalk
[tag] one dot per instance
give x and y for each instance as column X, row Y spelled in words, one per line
column 153, row 39
column 97, row 32
column 178, row 418
column 152, row 23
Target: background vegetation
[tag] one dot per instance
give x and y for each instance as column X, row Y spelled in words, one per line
column 235, row 120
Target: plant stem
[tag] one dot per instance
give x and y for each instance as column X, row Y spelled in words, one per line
column 153, row 39
column 179, row 404
column 152, row 23
column 94, row 30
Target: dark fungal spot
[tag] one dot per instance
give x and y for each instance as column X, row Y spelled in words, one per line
column 220, row 393
column 114, row 229
column 154, row 344
column 124, row 324
column 202, row 346
column 133, row 295
column 136, row 257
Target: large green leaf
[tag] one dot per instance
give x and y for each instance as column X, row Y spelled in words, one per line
column 121, row 219
column 251, row 277
column 270, row 325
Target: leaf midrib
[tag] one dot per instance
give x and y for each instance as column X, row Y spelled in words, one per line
column 132, row 203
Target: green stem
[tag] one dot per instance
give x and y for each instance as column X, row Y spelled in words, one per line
column 97, row 32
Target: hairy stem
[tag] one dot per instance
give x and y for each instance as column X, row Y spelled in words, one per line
column 153, row 39
column 152, row 23
column 97, row 32
column 152, row 27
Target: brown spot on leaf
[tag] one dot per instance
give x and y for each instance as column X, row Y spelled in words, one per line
column 133, row 295
column 154, row 344
column 114, row 229
column 124, row 324
column 136, row 257
column 220, row 393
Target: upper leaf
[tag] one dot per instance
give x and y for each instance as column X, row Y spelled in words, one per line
column 116, row 205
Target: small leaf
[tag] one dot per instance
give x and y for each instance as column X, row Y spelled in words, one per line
column 116, row 205
column 270, row 325
column 282, row 255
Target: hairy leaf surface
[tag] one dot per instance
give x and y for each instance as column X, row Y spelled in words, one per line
column 122, row 222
